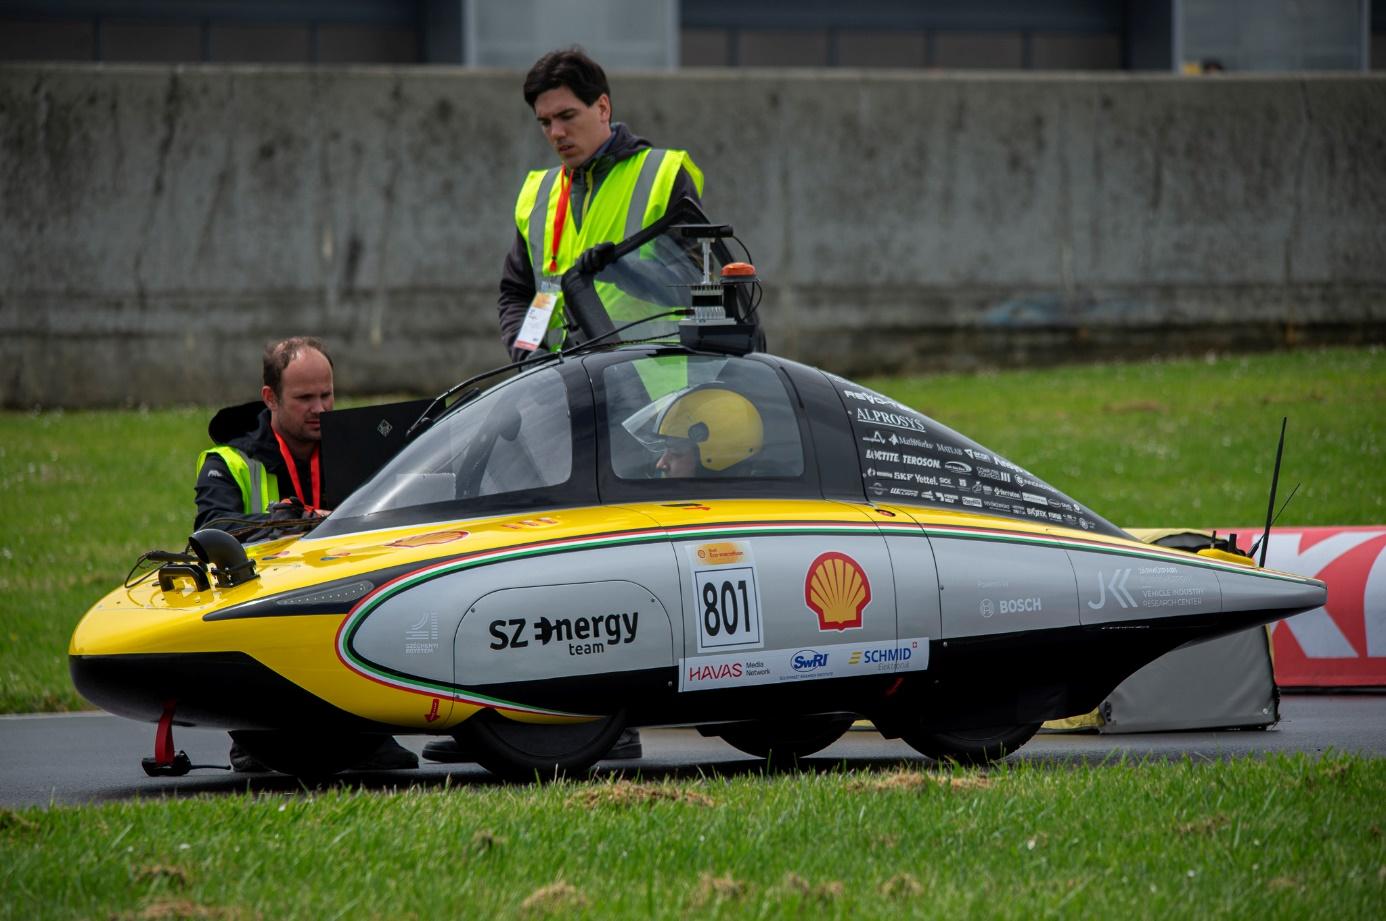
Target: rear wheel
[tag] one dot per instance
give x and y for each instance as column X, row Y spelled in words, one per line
column 970, row 746
column 306, row 755
column 526, row 751
column 785, row 742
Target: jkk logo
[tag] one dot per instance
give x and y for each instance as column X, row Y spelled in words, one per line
column 1117, row 586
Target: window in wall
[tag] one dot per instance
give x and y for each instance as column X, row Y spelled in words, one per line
column 23, row 40
column 366, row 45
column 261, row 43
column 151, row 41
column 868, row 48
column 1075, row 51
column 979, row 50
column 787, row 48
column 704, row 48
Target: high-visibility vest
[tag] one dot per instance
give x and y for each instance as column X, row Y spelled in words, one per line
column 634, row 194
column 259, row 488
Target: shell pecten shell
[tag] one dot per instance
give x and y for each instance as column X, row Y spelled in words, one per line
column 837, row 590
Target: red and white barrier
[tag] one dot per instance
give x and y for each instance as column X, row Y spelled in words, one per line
column 1343, row 643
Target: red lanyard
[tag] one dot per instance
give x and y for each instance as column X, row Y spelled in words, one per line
column 293, row 473
column 565, row 188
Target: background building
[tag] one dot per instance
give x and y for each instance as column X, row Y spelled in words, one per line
column 1263, row 35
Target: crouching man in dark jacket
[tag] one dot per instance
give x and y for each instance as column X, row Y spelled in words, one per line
column 266, row 467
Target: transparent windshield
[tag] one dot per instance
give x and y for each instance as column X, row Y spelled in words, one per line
column 649, row 281
column 697, row 416
column 513, row 438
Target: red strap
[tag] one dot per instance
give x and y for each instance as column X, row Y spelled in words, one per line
column 560, row 217
column 293, row 473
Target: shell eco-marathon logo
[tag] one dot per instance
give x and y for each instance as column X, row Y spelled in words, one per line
column 721, row 553
column 837, row 590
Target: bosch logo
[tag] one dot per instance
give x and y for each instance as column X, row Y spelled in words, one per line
column 808, row 660
column 1020, row 605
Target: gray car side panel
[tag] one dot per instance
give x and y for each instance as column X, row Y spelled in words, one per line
column 990, row 587
column 1246, row 592
column 419, row 631
column 782, row 565
column 561, row 630
column 916, row 586
column 1113, row 588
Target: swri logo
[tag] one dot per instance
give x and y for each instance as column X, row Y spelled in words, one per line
column 808, row 660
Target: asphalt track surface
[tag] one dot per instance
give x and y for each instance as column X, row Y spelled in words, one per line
column 94, row 757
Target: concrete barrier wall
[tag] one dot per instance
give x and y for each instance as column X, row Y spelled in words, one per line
column 158, row 225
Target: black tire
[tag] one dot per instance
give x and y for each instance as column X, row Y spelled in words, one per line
column 306, row 755
column 970, row 746
column 526, row 751
column 785, row 742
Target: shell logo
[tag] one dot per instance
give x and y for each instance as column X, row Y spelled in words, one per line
column 837, row 590
column 424, row 540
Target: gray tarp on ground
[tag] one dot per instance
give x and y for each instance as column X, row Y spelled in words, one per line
column 1215, row 684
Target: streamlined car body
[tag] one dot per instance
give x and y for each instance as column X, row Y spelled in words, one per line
column 656, row 533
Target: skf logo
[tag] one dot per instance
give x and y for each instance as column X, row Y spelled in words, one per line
column 808, row 660
column 837, row 590
column 721, row 553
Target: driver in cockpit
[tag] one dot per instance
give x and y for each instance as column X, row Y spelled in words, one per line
column 708, row 431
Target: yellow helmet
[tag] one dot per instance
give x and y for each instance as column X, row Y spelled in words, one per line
column 724, row 425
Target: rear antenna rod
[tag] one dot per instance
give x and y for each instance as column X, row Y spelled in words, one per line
column 1275, row 480
column 1284, row 505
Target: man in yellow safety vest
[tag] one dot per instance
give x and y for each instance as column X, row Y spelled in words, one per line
column 608, row 185
column 269, row 451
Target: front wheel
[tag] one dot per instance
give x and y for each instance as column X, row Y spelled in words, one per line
column 970, row 746
column 785, row 742
column 526, row 751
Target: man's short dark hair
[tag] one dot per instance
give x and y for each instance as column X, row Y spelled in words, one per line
column 570, row 67
column 279, row 355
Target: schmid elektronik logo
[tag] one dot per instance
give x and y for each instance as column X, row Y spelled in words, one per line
column 837, row 590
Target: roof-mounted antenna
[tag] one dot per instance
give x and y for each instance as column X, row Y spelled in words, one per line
column 1264, row 542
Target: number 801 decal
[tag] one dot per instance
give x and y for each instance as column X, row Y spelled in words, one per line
column 725, row 603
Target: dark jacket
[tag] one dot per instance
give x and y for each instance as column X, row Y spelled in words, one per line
column 218, row 495
column 517, row 276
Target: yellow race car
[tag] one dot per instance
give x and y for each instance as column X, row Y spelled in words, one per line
column 682, row 531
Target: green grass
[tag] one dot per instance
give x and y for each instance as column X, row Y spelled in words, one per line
column 1151, row 444
column 1288, row 837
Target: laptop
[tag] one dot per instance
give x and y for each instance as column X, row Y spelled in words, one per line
column 357, row 442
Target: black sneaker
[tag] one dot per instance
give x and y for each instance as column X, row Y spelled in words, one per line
column 243, row 762
column 389, row 756
column 446, row 750
column 626, row 748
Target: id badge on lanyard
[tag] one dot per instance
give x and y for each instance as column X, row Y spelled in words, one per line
column 537, row 318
